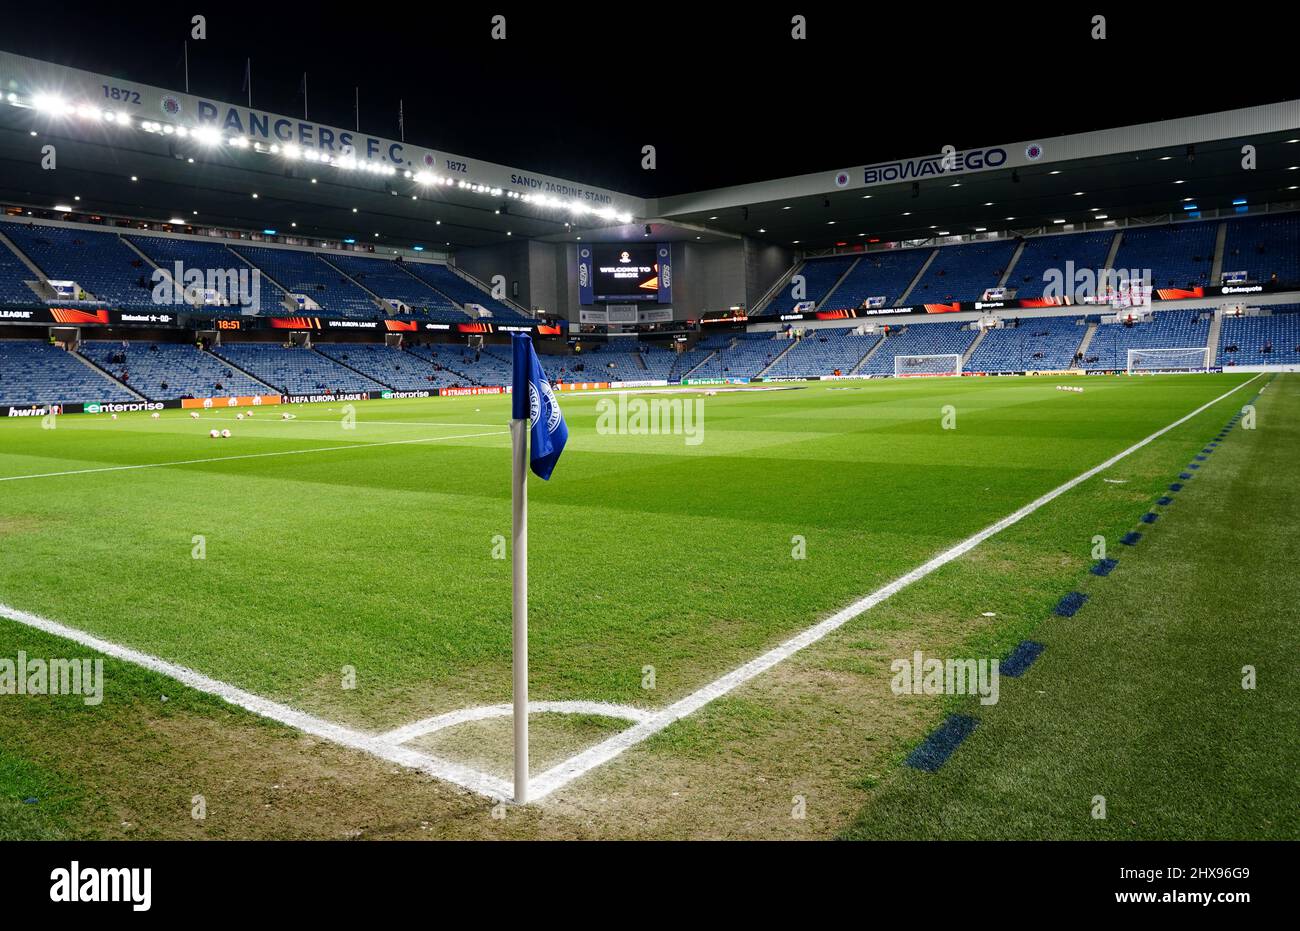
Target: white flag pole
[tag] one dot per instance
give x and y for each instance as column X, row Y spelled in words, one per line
column 519, row 553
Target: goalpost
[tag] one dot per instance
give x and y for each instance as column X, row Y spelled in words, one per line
column 1144, row 361
column 948, row 363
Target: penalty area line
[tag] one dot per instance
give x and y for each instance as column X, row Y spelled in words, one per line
column 601, row 753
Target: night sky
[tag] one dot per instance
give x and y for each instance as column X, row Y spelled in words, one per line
column 577, row 90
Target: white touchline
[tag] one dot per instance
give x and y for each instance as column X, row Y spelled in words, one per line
column 388, row 745
column 376, row 745
column 283, row 452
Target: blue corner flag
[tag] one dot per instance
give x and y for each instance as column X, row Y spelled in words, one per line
column 535, row 401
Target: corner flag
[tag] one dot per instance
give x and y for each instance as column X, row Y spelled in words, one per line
column 535, row 412
column 535, row 401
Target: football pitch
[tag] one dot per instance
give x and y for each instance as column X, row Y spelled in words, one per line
column 350, row 563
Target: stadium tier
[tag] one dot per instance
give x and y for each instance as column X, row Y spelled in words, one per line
column 743, row 356
column 308, row 274
column 463, row 367
column 99, row 262
column 1043, row 254
column 1264, row 340
column 1267, row 248
column 963, row 273
column 823, row 352
column 820, row 275
column 878, row 274
column 36, row 372
column 294, row 369
column 391, row 281
column 919, row 339
column 208, row 257
column 162, row 371
column 1171, row 329
column 461, row 291
column 14, row 275
column 1037, row 344
column 1178, row 256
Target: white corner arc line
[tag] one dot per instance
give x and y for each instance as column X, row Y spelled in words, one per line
column 408, row 732
column 375, row 745
column 606, row 750
column 282, row 452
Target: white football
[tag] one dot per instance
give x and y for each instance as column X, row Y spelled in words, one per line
column 214, row 434
column 114, row 416
column 194, row 414
column 239, row 416
column 154, row 415
column 226, row 434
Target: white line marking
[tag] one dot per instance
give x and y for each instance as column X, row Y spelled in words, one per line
column 285, row 452
column 606, row 750
column 386, row 746
column 409, row 732
column 375, row 745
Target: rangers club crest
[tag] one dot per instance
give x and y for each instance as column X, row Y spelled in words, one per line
column 535, row 407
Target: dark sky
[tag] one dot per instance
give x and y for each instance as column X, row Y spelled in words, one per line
column 726, row 96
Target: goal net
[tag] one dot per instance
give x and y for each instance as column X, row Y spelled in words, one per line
column 1166, row 360
column 943, row 364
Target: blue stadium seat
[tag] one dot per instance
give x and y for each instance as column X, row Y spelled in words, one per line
column 878, row 274
column 99, row 262
column 35, row 372
column 1279, row 332
column 964, row 272
column 819, row 276
column 161, row 371
column 295, row 370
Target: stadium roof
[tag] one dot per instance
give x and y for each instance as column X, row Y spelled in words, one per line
column 1153, row 169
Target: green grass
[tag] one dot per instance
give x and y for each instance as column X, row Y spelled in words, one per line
column 1139, row 697
column 645, row 550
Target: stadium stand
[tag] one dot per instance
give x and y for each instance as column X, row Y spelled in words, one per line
column 1179, row 255
column 823, row 352
column 36, row 372
column 1265, row 247
column 391, row 281
column 1272, row 339
column 819, row 275
column 161, row 371
column 963, row 273
column 1170, row 329
column 306, row 273
column 460, row 290
column 1043, row 253
column 878, row 274
column 14, row 276
column 100, row 263
column 461, row 367
column 295, row 370
column 919, row 339
column 743, row 356
column 1037, row 344
column 166, row 251
column 385, row 364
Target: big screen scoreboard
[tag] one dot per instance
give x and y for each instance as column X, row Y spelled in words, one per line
column 625, row 272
